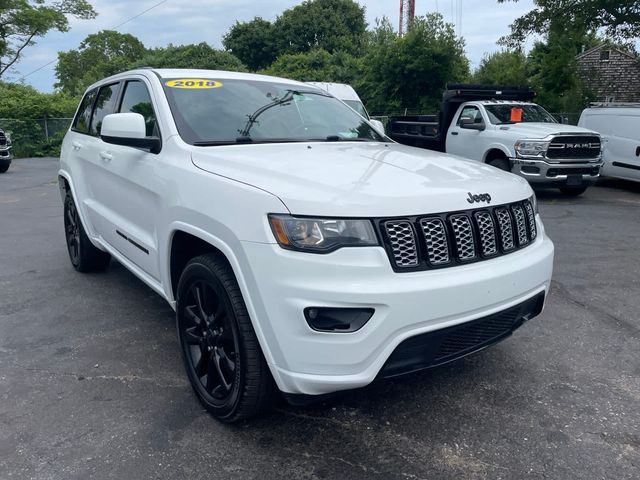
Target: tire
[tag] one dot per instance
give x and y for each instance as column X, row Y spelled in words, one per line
column 573, row 191
column 500, row 162
column 84, row 256
column 4, row 166
column 221, row 353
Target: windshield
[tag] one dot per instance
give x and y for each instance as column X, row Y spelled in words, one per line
column 509, row 113
column 220, row 112
column 358, row 107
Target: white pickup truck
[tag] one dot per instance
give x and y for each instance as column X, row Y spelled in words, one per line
column 500, row 126
column 302, row 251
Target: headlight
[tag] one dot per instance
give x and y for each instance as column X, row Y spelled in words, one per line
column 531, row 148
column 321, row 235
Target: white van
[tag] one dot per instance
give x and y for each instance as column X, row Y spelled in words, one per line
column 619, row 126
column 348, row 95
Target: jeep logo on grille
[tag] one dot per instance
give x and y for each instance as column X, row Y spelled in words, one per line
column 482, row 197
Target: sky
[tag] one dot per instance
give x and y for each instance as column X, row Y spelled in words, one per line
column 480, row 22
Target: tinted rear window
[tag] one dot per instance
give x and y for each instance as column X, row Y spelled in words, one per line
column 81, row 122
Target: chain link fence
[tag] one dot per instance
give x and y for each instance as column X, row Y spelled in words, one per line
column 35, row 137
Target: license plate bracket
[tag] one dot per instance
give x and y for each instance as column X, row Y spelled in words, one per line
column 574, row 180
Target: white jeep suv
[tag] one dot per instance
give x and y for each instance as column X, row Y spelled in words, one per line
column 302, row 251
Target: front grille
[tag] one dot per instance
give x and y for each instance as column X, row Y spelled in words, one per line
column 441, row 346
column 3, row 139
column 572, row 147
column 449, row 239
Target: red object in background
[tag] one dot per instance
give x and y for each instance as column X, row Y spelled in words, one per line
column 516, row 114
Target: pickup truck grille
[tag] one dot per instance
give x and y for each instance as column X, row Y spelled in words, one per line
column 574, row 147
column 450, row 239
column 3, row 139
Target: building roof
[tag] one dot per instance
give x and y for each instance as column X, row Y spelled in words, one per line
column 605, row 46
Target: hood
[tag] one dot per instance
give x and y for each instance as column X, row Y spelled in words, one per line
column 534, row 130
column 351, row 179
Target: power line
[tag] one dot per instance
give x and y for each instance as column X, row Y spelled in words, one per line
column 112, row 28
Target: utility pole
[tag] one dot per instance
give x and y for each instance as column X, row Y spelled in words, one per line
column 407, row 14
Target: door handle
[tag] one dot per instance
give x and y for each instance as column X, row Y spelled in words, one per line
column 106, row 156
column 638, row 152
column 454, row 133
column 76, row 145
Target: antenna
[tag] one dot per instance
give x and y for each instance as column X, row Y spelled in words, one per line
column 407, row 14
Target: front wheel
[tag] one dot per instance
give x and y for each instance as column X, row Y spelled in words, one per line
column 573, row 191
column 220, row 350
column 4, row 166
column 500, row 162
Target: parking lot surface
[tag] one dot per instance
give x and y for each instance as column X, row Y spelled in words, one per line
column 92, row 384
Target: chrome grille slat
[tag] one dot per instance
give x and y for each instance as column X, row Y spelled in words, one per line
column 521, row 226
column 506, row 229
column 531, row 217
column 449, row 239
column 403, row 243
column 435, row 236
column 463, row 237
column 487, row 231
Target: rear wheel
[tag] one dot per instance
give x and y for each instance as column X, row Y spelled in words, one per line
column 573, row 191
column 84, row 256
column 220, row 350
column 500, row 162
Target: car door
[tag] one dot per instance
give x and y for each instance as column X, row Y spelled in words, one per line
column 466, row 142
column 130, row 188
column 622, row 146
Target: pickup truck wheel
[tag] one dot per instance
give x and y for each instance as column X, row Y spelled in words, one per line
column 84, row 256
column 4, row 166
column 220, row 350
column 573, row 191
column 501, row 163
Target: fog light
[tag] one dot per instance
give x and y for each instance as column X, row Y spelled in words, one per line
column 340, row 320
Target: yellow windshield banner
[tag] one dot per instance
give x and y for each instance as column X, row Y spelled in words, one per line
column 193, row 83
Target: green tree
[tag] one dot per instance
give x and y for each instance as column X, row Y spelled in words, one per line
column 620, row 19
column 23, row 21
column 332, row 25
column 254, row 43
column 411, row 71
column 199, row 55
column 99, row 55
column 502, row 68
column 317, row 65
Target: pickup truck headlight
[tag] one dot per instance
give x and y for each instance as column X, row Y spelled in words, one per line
column 321, row 235
column 531, row 148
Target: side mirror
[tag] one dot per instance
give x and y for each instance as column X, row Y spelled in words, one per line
column 469, row 124
column 128, row 129
column 378, row 126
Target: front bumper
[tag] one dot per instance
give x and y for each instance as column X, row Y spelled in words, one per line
column 542, row 172
column 304, row 361
column 5, row 154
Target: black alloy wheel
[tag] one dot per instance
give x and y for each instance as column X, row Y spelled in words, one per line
column 221, row 352
column 210, row 342
column 84, row 256
column 72, row 230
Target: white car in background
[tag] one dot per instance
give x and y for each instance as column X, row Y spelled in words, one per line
column 348, row 95
column 302, row 251
column 619, row 126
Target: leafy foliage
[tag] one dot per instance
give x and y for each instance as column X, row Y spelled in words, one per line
column 22, row 21
column 254, row 43
column 329, row 25
column 200, row 55
column 317, row 65
column 99, row 55
column 620, row 19
column 412, row 70
column 502, row 68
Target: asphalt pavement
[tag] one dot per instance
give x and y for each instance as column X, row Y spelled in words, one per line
column 92, row 384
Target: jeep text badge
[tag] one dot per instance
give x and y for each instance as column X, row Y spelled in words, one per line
column 482, row 197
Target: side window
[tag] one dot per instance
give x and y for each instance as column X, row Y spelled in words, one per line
column 136, row 99
column 470, row 112
column 81, row 122
column 105, row 104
